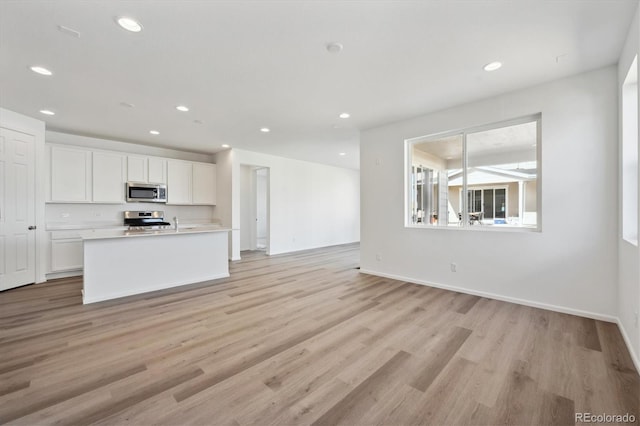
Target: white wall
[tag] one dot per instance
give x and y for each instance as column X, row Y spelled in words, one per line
column 628, row 297
column 572, row 264
column 310, row 205
column 224, row 199
column 31, row 126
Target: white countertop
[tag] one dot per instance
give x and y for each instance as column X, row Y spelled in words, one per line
column 88, row 226
column 98, row 234
column 63, row 226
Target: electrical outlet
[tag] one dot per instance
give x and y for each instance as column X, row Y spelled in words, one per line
column 378, row 257
column 454, row 267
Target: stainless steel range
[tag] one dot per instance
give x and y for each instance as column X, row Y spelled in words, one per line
column 148, row 220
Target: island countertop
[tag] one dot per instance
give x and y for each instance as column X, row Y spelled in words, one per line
column 99, row 234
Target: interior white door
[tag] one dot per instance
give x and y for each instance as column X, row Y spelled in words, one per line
column 17, row 209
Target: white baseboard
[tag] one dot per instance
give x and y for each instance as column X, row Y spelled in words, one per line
column 625, row 336
column 533, row 304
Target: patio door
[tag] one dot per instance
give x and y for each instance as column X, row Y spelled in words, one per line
column 492, row 202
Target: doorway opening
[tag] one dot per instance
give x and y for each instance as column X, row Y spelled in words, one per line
column 254, row 208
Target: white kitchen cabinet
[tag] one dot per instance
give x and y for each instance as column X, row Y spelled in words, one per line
column 146, row 169
column 204, row 184
column 108, row 177
column 137, row 170
column 157, row 170
column 70, row 170
column 179, row 182
column 66, row 251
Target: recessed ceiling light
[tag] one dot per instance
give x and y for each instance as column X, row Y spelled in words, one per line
column 127, row 104
column 182, row 108
column 492, row 66
column 345, row 115
column 334, row 47
column 265, row 130
column 47, row 112
column 342, row 154
column 40, row 70
column 154, row 132
column 129, row 24
column 224, row 145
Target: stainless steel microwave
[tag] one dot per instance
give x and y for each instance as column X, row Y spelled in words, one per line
column 146, row 193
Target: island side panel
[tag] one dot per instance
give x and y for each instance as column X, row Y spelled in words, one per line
column 118, row 267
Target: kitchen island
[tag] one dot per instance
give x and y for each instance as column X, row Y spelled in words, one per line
column 123, row 263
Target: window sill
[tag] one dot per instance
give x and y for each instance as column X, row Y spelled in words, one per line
column 478, row 228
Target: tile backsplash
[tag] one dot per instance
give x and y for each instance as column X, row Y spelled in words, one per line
column 75, row 214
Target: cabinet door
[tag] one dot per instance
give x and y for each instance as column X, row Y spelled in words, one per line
column 179, row 176
column 70, row 175
column 66, row 255
column 108, row 177
column 157, row 170
column 137, row 169
column 204, row 183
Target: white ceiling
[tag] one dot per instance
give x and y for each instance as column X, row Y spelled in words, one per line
column 243, row 65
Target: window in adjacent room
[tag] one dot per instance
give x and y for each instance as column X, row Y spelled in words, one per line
column 630, row 155
column 480, row 177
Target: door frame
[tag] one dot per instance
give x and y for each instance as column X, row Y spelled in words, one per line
column 254, row 207
column 36, row 128
column 253, row 168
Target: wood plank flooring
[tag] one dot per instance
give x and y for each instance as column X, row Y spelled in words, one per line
column 303, row 339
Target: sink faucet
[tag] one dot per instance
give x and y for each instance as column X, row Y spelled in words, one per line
column 175, row 220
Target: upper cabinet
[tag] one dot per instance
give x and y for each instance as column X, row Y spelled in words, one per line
column 157, row 168
column 80, row 175
column 191, row 183
column 70, row 175
column 204, row 184
column 146, row 169
column 179, row 179
column 108, row 177
column 137, row 169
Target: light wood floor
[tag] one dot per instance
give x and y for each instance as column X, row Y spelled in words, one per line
column 303, row 339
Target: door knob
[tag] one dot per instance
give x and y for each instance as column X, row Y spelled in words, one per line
column 31, row 228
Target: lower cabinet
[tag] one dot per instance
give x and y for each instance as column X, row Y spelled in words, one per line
column 66, row 251
column 66, row 254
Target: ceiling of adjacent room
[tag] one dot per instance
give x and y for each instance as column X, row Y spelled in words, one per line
column 244, row 65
